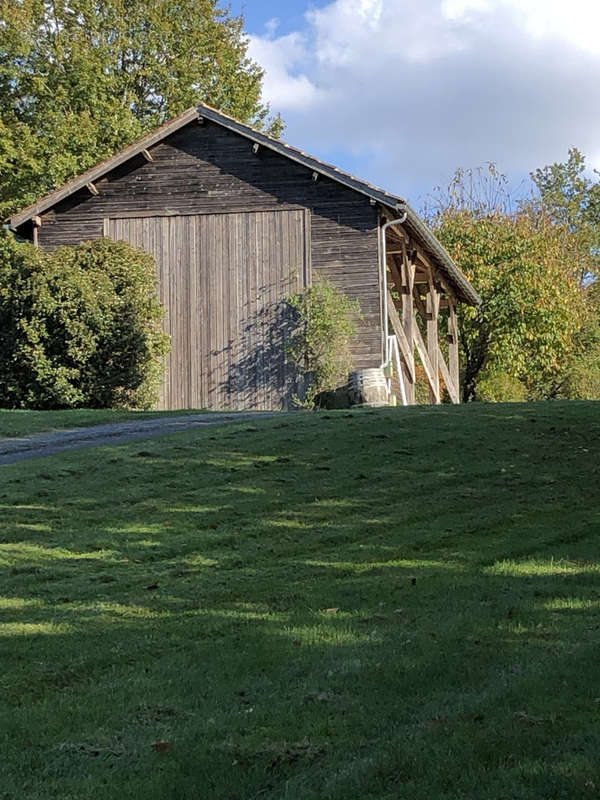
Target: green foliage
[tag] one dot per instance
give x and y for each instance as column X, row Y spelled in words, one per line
column 80, row 80
column 572, row 198
column 523, row 261
column 320, row 343
column 532, row 306
column 495, row 386
column 581, row 379
column 79, row 327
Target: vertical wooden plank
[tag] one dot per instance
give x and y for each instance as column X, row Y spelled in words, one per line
column 186, row 265
column 254, row 270
column 203, row 281
column 172, row 311
column 222, row 308
column 222, row 279
column 236, row 312
column 273, row 267
column 229, row 270
column 453, row 348
column 433, row 305
column 193, row 312
column 265, row 243
column 408, row 323
column 161, row 258
column 212, row 297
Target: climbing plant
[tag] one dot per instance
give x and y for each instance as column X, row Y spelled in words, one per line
column 319, row 346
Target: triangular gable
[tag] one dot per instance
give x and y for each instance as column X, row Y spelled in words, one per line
column 414, row 223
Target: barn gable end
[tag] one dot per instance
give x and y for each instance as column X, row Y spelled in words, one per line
column 237, row 221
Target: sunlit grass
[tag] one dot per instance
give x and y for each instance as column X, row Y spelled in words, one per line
column 372, row 604
column 535, row 567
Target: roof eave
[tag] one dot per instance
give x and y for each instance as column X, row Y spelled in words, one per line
column 97, row 172
column 464, row 289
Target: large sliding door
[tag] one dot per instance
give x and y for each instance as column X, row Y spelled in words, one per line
column 223, row 279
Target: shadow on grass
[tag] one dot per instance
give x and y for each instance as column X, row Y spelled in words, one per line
column 320, row 609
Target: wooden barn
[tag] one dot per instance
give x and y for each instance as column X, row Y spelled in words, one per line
column 238, row 221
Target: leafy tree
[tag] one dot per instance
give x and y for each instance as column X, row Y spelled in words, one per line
column 532, row 305
column 79, row 327
column 581, row 379
column 319, row 345
column 522, row 259
column 572, row 198
column 80, row 79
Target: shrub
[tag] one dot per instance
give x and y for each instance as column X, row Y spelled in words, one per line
column 79, row 327
column 319, row 346
column 495, row 386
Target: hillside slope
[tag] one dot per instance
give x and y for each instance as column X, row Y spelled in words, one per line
column 373, row 604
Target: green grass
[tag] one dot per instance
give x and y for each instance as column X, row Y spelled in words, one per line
column 22, row 423
column 377, row 604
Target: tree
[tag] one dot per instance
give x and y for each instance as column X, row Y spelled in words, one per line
column 532, row 306
column 80, row 79
column 572, row 198
column 529, row 325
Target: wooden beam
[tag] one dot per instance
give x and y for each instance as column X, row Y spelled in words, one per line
column 147, row 155
column 405, row 349
column 427, row 365
column 419, row 303
column 452, row 387
column 433, row 307
column 91, row 188
column 37, row 224
column 453, row 348
column 395, row 273
column 408, row 321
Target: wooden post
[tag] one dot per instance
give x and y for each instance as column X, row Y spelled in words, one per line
column 37, row 224
column 408, row 322
column 433, row 308
column 453, row 348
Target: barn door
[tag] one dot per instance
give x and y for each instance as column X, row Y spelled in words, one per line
column 223, row 279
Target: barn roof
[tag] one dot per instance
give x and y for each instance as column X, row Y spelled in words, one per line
column 415, row 225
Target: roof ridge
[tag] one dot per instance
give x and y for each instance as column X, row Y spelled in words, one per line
column 203, row 110
column 301, row 152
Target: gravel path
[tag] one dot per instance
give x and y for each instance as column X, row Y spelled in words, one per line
column 46, row 444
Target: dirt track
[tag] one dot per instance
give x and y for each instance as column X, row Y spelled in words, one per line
column 47, row 444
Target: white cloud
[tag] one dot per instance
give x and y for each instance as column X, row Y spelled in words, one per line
column 419, row 87
column 283, row 87
column 576, row 21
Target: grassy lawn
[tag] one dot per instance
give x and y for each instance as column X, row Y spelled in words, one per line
column 376, row 604
column 22, row 423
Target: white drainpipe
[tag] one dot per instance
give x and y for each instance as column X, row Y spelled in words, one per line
column 386, row 324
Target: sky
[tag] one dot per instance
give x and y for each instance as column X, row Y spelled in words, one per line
column 403, row 92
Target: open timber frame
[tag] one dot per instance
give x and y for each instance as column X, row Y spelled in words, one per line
column 421, row 293
column 237, row 221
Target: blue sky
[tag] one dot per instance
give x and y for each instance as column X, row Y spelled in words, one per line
column 402, row 92
column 257, row 13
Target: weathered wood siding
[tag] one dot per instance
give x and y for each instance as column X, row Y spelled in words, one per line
column 206, row 169
column 222, row 279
